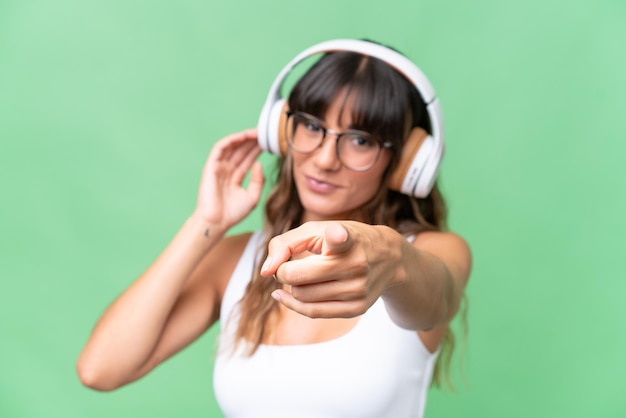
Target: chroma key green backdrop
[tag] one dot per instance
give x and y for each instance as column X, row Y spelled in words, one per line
column 109, row 108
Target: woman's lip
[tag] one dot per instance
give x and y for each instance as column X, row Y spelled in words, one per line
column 320, row 186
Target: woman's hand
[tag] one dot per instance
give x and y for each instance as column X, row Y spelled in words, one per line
column 349, row 265
column 222, row 200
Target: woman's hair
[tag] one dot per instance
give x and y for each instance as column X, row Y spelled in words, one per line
column 384, row 103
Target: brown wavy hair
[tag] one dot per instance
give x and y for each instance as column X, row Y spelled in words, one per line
column 385, row 104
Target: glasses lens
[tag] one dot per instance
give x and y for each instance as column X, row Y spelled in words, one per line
column 358, row 150
column 306, row 133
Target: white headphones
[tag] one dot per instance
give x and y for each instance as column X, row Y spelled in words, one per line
column 421, row 154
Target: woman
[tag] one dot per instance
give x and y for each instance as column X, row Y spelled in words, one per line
column 340, row 306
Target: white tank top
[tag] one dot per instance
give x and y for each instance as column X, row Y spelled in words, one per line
column 377, row 369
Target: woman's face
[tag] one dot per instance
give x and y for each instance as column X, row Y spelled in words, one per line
column 327, row 189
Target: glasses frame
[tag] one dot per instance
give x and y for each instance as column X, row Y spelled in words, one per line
column 338, row 135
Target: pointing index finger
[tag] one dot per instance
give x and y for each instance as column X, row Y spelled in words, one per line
column 296, row 241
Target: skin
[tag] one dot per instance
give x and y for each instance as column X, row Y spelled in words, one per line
column 332, row 270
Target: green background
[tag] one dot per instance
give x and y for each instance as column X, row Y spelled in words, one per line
column 109, row 108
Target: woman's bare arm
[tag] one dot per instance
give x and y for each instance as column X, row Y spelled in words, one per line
column 178, row 296
column 349, row 265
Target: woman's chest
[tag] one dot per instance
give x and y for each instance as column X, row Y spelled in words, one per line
column 291, row 328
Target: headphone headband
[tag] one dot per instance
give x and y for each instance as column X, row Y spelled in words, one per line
column 398, row 61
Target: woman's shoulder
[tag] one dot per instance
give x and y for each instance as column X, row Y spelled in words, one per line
column 232, row 247
column 439, row 238
column 449, row 247
column 236, row 241
column 228, row 249
column 219, row 264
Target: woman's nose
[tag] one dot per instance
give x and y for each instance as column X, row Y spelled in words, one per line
column 326, row 155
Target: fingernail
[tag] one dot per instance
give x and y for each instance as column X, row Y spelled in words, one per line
column 267, row 264
column 276, row 295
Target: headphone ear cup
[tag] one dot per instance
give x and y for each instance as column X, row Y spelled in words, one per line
column 416, row 152
column 283, row 128
column 429, row 173
column 274, row 117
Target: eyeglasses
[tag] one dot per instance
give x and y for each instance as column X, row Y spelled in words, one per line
column 357, row 150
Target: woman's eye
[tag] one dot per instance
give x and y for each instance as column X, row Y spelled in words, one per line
column 312, row 126
column 362, row 141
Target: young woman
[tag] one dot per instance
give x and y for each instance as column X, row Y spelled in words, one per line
column 341, row 305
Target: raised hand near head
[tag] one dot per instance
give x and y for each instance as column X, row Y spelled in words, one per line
column 222, row 199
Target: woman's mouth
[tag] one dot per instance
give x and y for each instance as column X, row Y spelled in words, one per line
column 320, row 186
